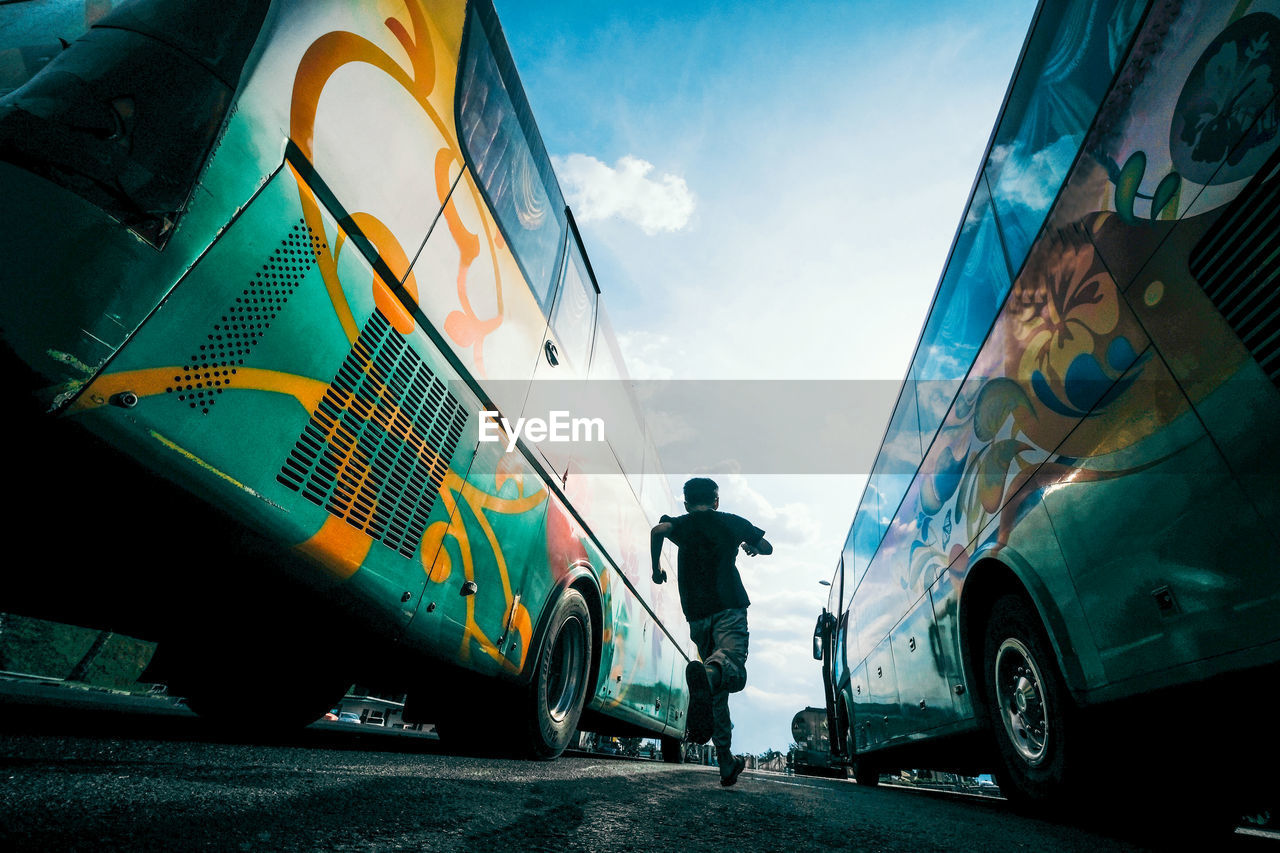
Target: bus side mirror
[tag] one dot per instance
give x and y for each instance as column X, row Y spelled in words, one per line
column 819, row 639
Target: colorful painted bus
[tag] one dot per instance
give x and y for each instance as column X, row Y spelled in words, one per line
column 265, row 265
column 1070, row 533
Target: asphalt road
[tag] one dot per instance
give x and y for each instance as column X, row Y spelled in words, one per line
column 72, row 780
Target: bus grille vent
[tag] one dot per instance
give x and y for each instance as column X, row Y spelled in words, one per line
column 213, row 368
column 377, row 448
column 1238, row 264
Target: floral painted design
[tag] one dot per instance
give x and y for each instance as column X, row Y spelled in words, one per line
column 1227, row 110
column 1064, row 352
column 1068, row 309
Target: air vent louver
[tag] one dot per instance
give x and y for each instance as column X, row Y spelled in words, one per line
column 377, row 448
column 1238, row 265
column 245, row 322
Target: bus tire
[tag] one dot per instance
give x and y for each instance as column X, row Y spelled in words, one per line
column 672, row 750
column 1031, row 713
column 558, row 689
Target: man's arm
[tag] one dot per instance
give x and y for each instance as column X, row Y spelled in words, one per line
column 761, row 546
column 659, row 532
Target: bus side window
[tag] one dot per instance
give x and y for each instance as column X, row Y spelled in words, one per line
column 898, row 460
column 975, row 283
column 626, row 432
column 573, row 318
column 506, row 155
column 864, row 538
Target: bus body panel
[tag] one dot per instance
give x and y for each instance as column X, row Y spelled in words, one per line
column 1105, row 439
column 923, row 688
column 250, row 344
column 880, row 713
column 81, row 283
column 310, row 351
column 857, row 694
column 1157, row 591
column 1032, row 550
column 951, row 646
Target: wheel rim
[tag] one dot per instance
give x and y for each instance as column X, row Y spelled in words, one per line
column 1022, row 702
column 564, row 682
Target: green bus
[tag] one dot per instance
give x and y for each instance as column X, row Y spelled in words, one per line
column 272, row 270
column 1070, row 533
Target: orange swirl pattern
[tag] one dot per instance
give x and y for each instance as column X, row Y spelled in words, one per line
column 319, row 63
column 440, row 566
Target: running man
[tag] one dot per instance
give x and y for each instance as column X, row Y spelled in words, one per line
column 715, row 603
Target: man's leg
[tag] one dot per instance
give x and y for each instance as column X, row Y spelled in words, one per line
column 727, row 664
column 728, row 641
column 700, row 723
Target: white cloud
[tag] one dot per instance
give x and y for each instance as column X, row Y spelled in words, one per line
column 650, row 356
column 790, row 523
column 783, row 703
column 626, row 191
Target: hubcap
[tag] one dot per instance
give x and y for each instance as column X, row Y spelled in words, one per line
column 564, row 682
column 1022, row 702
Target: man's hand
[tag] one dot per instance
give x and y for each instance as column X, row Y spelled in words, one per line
column 659, row 532
column 750, row 552
column 762, row 547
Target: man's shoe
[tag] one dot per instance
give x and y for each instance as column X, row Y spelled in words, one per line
column 700, row 723
column 739, row 764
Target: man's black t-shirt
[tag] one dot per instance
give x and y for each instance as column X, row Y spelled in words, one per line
column 708, row 578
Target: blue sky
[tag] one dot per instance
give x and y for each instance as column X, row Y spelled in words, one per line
column 769, row 190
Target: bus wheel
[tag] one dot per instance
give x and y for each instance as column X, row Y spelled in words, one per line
column 672, row 750
column 1031, row 711
column 559, row 685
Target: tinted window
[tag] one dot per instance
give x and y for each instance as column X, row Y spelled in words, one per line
column 833, row 592
column 575, row 312
column 1070, row 59
column 655, row 495
column 863, row 540
column 506, row 156
column 898, row 460
column 901, row 451
column 973, row 287
column 616, row 399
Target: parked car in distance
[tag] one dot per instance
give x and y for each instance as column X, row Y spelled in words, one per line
column 349, row 717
